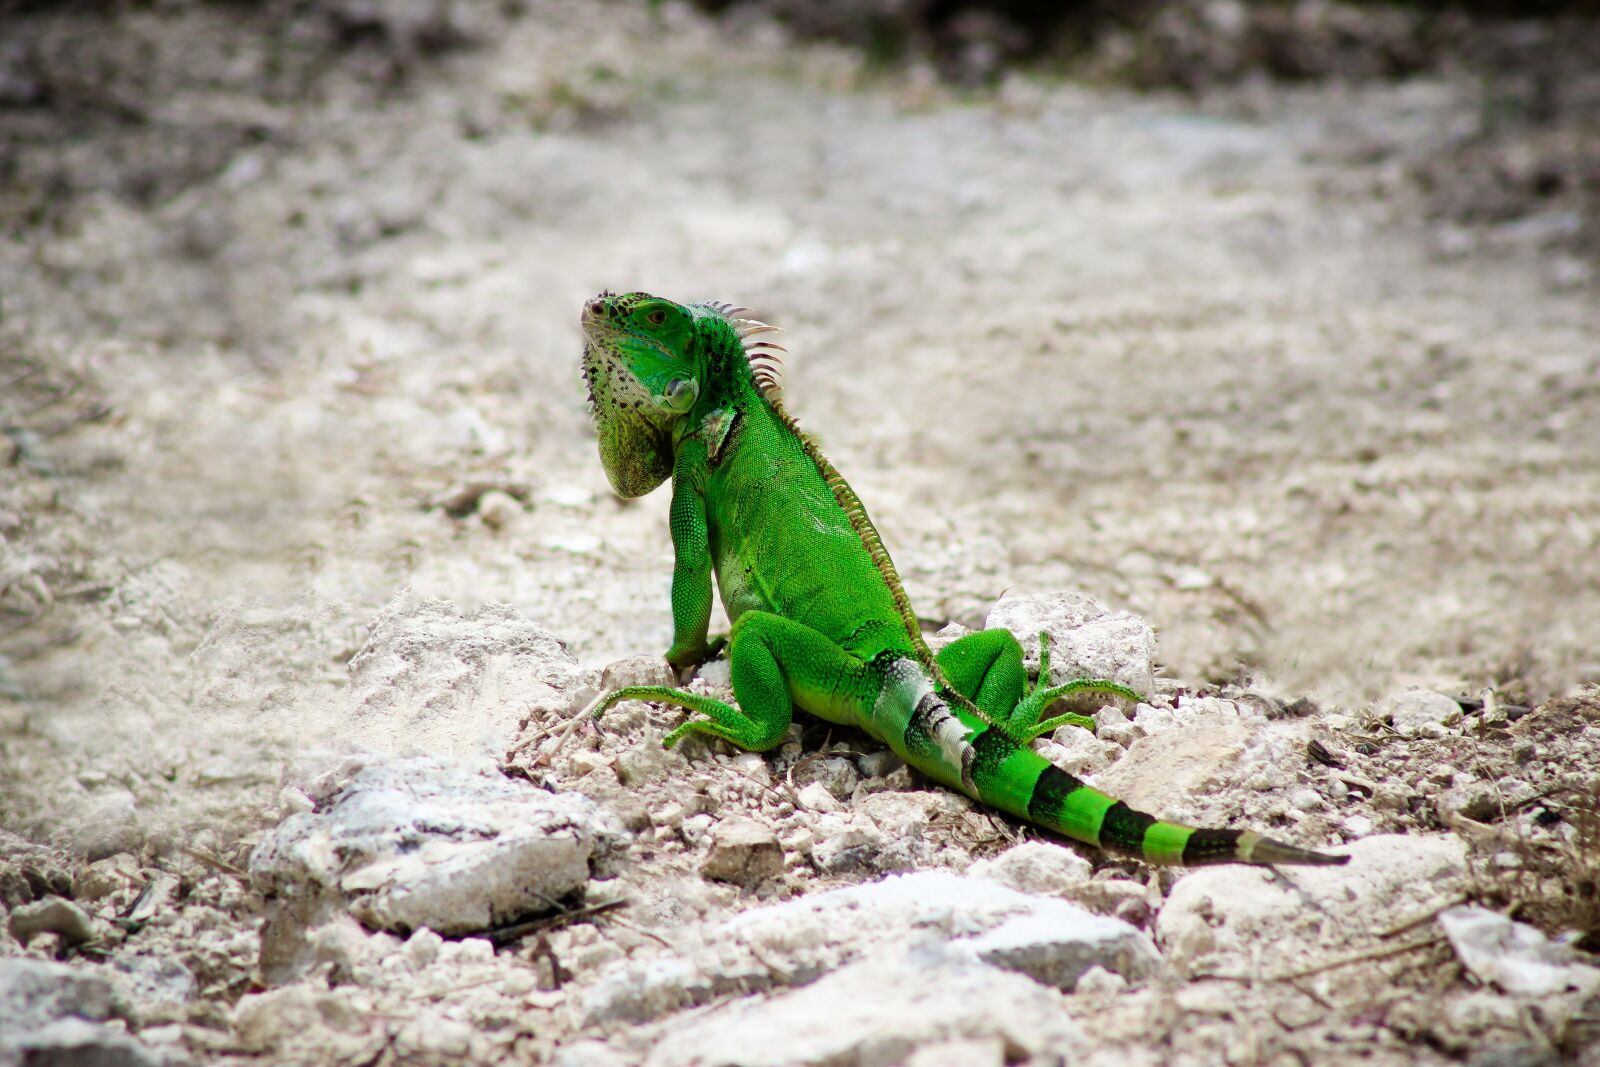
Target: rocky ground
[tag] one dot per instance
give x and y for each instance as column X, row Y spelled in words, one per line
column 308, row 558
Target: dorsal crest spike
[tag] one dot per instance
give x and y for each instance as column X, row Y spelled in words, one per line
column 766, row 366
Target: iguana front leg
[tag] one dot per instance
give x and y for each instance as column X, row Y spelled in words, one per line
column 691, row 572
column 775, row 664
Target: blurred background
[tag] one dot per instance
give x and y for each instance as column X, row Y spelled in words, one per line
column 1275, row 323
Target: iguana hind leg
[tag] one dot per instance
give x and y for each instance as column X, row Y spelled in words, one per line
column 775, row 664
column 987, row 668
column 1024, row 719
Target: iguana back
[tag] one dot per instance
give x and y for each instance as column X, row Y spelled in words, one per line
column 781, row 542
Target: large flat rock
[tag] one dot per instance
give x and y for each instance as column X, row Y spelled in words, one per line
column 1216, row 918
column 877, row 1012
column 421, row 842
column 797, row 942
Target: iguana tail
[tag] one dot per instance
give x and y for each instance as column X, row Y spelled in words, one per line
column 986, row 763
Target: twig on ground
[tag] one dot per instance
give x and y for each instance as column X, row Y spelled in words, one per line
column 1426, row 916
column 1329, row 965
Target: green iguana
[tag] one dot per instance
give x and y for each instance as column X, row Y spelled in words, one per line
column 820, row 619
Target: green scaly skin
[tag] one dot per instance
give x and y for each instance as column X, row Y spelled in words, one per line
column 820, row 620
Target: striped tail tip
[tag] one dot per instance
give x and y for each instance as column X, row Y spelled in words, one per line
column 1265, row 850
column 1203, row 847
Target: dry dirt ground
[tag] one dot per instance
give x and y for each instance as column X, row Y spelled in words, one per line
column 289, row 348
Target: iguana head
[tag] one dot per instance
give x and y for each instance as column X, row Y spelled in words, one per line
column 639, row 359
column 648, row 362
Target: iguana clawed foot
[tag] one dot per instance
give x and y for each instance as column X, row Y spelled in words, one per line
column 1024, row 721
column 723, row 720
column 687, row 661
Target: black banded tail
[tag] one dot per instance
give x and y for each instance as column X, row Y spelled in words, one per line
column 984, row 761
column 1062, row 802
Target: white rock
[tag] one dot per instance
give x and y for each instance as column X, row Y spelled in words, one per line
column 902, row 821
column 115, row 874
column 717, row 674
column 36, row 992
column 637, row 670
column 744, row 852
column 72, row 1041
column 155, row 984
column 420, row 842
column 498, row 510
column 1306, row 799
column 1057, row 946
column 1078, row 751
column 837, row 774
column 855, row 848
column 435, row 679
column 1417, row 712
column 904, row 815
column 293, row 800
column 1110, row 715
column 106, row 824
column 588, row 1054
column 1357, row 825
column 1087, row 640
column 1110, row 896
column 751, row 765
column 639, row 990
column 1051, row 941
column 877, row 1011
column 949, row 632
column 1513, row 955
column 669, row 816
column 300, row 1017
column 880, row 763
column 696, row 827
column 422, row 947
column 816, row 797
column 798, row 840
column 1154, row 720
column 584, row 762
column 433, row 1037
column 1216, row 917
column 566, row 496
column 961, row 1052
column 1035, row 867
column 1099, row 982
column 52, row 1013
column 1157, row 771
column 1123, row 735
column 648, row 762
column 51, row 915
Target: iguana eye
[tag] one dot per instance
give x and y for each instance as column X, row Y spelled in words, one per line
column 656, row 317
